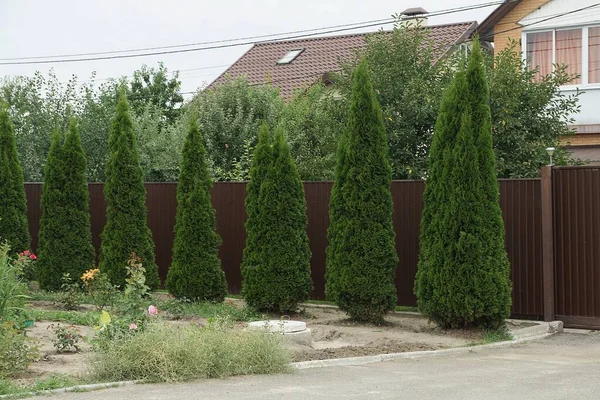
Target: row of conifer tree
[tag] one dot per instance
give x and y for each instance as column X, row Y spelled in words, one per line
column 463, row 272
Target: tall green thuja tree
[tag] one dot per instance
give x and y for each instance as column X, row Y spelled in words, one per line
column 255, row 225
column 437, row 191
column 498, row 300
column 363, row 254
column 13, row 205
column 53, row 230
column 79, row 254
column 195, row 272
column 282, row 270
column 463, row 276
column 126, row 230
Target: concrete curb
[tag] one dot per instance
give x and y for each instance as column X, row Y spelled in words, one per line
column 550, row 329
column 78, row 388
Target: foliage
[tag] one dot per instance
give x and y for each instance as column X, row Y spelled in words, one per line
column 126, row 230
column 98, row 289
column 409, row 75
column 16, row 351
column 164, row 353
column 27, row 262
column 181, row 308
column 153, row 86
column 528, row 114
column 229, row 117
column 135, row 290
column 13, row 206
column 88, row 318
column 501, row 334
column 9, row 387
column 70, row 292
column 361, row 257
column 65, row 338
column 195, row 271
column 312, row 121
column 40, row 104
column 280, row 243
column 12, row 288
column 463, row 272
column 65, row 239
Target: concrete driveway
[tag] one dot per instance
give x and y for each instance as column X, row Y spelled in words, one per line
column 566, row 366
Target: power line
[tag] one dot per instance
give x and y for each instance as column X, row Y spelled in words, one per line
column 321, row 31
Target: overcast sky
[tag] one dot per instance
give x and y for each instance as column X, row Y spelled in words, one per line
column 44, row 28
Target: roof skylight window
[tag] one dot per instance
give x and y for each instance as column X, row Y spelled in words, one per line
column 290, row 56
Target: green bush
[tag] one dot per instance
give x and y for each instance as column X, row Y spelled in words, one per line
column 163, row 353
column 463, row 271
column 12, row 287
column 126, row 230
column 195, row 272
column 361, row 258
column 16, row 351
column 13, row 206
column 279, row 268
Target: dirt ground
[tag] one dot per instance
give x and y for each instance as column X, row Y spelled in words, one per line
column 51, row 362
column 335, row 336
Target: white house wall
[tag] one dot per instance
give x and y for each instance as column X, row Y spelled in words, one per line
column 554, row 10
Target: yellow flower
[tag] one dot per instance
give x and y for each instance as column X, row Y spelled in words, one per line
column 89, row 275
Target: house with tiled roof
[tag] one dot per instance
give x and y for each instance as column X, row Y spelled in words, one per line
column 293, row 64
column 551, row 32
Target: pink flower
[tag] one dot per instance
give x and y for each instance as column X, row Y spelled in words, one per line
column 22, row 254
column 133, row 327
column 33, row 257
column 26, row 252
column 226, row 145
column 152, row 310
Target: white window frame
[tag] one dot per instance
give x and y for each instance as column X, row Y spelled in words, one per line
column 584, row 52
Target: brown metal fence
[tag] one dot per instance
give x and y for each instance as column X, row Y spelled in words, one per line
column 520, row 202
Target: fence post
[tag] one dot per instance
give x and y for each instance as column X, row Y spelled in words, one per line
column 547, row 243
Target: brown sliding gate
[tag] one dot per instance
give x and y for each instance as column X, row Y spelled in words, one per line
column 576, row 225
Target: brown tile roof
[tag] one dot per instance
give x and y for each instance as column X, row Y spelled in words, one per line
column 320, row 55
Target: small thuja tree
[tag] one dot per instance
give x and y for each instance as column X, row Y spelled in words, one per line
column 13, row 206
column 463, row 272
column 126, row 230
column 276, row 265
column 195, row 272
column 361, row 258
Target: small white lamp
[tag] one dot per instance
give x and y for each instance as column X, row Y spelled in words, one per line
column 550, row 151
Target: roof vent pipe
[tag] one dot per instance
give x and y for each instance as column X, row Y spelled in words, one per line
column 413, row 17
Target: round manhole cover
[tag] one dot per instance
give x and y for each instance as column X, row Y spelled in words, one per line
column 278, row 326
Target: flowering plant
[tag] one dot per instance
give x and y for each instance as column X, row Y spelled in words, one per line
column 98, row 288
column 26, row 262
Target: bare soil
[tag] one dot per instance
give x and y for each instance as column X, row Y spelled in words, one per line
column 335, row 336
column 52, row 362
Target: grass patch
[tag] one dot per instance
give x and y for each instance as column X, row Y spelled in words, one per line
column 45, row 296
column 163, row 353
column 210, row 311
column 406, row 309
column 88, row 318
column 497, row 335
column 9, row 388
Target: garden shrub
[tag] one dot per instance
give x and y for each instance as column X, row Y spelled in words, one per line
column 98, row 289
column 195, row 271
column 13, row 206
column 361, row 257
column 16, row 351
column 126, row 229
column 463, row 272
column 12, row 287
column 163, row 353
column 279, row 269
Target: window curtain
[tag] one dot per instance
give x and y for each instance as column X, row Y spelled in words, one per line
column 568, row 51
column 539, row 53
column 594, row 55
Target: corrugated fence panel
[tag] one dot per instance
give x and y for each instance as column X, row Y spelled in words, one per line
column 408, row 206
column 577, row 245
column 228, row 199
column 520, row 201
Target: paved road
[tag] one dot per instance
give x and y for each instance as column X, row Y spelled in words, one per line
column 565, row 366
